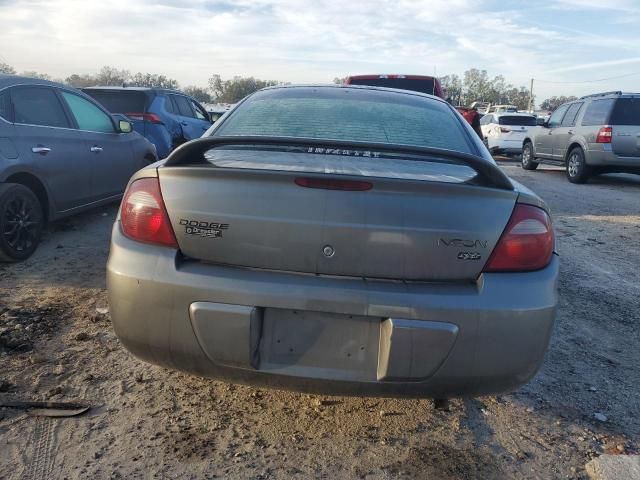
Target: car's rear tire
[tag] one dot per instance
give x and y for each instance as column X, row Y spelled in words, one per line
column 527, row 158
column 577, row 169
column 21, row 222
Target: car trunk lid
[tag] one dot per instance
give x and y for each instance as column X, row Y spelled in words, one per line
column 299, row 211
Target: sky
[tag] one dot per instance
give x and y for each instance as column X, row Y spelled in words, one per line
column 563, row 44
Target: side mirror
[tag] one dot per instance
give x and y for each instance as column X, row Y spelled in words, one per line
column 125, row 126
column 540, row 122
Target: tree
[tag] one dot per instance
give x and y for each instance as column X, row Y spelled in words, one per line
column 6, row 68
column 554, row 102
column 234, row 90
column 477, row 85
column 112, row 77
column 199, row 93
column 452, row 86
column 33, row 74
column 82, row 81
column 152, row 80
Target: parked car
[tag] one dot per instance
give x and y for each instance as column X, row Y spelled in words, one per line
column 60, row 153
column 596, row 134
column 337, row 239
column 414, row 83
column 505, row 132
column 482, row 107
column 502, row 108
column 167, row 118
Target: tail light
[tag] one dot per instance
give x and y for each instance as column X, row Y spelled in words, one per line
column 604, row 135
column 143, row 216
column 526, row 244
column 505, row 129
column 334, row 184
column 146, row 117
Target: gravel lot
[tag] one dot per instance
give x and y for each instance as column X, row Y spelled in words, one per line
column 146, row 422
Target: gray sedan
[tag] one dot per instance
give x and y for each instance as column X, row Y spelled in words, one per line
column 60, row 153
column 336, row 239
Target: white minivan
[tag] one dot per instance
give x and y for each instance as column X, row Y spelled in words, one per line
column 504, row 132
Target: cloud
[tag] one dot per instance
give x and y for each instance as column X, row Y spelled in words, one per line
column 596, row 65
column 311, row 41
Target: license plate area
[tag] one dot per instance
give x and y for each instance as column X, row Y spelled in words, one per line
column 319, row 345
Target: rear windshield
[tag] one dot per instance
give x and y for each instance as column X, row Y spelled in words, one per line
column 626, row 112
column 349, row 115
column 425, row 85
column 118, row 101
column 517, row 120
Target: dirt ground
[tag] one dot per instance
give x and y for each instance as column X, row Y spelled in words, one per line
column 147, row 422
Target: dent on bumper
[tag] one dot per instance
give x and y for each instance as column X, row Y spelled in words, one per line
column 502, row 323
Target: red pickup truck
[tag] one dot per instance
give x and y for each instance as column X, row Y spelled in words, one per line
column 416, row 83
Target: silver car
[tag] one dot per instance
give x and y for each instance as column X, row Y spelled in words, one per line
column 596, row 134
column 336, row 239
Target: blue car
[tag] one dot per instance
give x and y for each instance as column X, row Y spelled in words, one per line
column 167, row 118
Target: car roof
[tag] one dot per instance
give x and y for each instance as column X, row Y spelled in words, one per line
column 383, row 76
column 7, row 80
column 134, row 89
column 396, row 91
column 615, row 94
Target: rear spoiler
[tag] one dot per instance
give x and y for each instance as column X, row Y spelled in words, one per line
column 193, row 153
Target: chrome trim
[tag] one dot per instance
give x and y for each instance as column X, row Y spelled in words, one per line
column 44, row 150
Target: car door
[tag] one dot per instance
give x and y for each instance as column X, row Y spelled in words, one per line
column 562, row 135
column 201, row 115
column 544, row 139
column 50, row 144
column 192, row 127
column 109, row 152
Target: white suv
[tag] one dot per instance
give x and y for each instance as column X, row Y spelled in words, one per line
column 504, row 132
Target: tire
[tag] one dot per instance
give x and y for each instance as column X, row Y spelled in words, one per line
column 527, row 158
column 21, row 222
column 577, row 169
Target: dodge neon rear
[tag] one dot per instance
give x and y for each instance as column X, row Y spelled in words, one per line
column 336, row 240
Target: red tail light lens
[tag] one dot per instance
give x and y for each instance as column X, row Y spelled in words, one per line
column 604, row 135
column 505, row 129
column 147, row 117
column 143, row 216
column 526, row 244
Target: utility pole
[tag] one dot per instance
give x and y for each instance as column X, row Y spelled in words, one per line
column 531, row 97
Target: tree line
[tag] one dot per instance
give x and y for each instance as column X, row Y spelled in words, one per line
column 218, row 90
column 474, row 85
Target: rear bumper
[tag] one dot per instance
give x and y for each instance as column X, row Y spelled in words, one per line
column 327, row 334
column 500, row 145
column 602, row 155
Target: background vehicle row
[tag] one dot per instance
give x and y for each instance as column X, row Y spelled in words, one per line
column 60, row 152
column 167, row 118
column 596, row 134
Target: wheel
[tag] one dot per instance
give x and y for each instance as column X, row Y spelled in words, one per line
column 577, row 169
column 21, row 222
column 526, row 160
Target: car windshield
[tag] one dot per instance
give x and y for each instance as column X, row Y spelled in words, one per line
column 517, row 120
column 349, row 114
